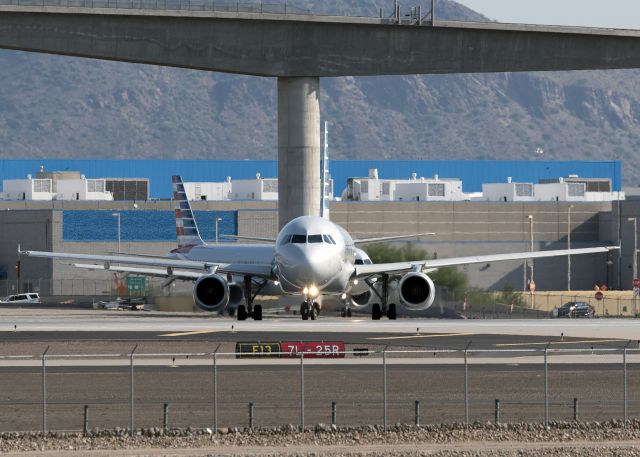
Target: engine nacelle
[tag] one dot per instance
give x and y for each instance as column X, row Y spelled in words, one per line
column 360, row 300
column 416, row 291
column 213, row 293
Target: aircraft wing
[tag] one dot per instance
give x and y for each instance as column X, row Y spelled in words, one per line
column 250, row 238
column 166, row 265
column 390, row 238
column 157, row 272
column 399, row 267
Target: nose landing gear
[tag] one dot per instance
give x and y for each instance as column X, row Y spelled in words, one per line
column 309, row 310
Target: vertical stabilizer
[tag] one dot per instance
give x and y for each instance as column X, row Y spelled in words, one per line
column 186, row 228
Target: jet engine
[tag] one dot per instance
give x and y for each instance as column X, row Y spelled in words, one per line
column 214, row 293
column 360, row 300
column 416, row 291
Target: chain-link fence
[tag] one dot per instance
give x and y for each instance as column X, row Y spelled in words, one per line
column 228, row 6
column 212, row 390
column 88, row 289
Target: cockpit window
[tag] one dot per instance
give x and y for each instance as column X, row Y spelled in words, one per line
column 327, row 239
column 299, row 239
column 331, row 240
column 359, row 262
column 368, row 262
column 314, row 239
column 285, row 240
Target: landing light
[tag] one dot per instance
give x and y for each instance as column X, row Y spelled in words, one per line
column 355, row 282
column 313, row 291
column 344, row 296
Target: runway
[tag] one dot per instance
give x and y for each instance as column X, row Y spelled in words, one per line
column 85, row 322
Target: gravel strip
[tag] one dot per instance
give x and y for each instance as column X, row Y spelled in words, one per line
column 561, row 438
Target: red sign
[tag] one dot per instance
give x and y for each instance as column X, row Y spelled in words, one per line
column 636, row 283
column 599, row 295
column 313, row 349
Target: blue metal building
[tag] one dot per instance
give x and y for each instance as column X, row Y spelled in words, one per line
column 473, row 173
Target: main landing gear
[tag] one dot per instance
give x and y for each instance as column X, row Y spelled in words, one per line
column 250, row 310
column 378, row 310
column 309, row 310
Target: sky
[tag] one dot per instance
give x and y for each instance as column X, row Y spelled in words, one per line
column 587, row 13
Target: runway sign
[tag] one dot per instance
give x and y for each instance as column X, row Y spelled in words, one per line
column 256, row 349
column 313, row 349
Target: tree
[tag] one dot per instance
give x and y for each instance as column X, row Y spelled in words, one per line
column 452, row 278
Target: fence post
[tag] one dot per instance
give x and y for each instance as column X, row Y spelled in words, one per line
column 575, row 409
column 131, row 393
column 333, row 413
column 302, row 392
column 546, row 387
column 165, row 417
column 250, row 415
column 44, row 391
column 624, row 363
column 497, row 412
column 466, row 385
column 215, row 390
column 85, row 422
column 384, row 389
column 417, row 413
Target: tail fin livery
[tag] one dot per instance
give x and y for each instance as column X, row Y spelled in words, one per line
column 186, row 228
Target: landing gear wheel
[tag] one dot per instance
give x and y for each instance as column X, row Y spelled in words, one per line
column 257, row 313
column 376, row 312
column 391, row 312
column 242, row 313
column 304, row 311
column 313, row 312
column 316, row 306
column 348, row 312
column 343, row 313
column 231, row 311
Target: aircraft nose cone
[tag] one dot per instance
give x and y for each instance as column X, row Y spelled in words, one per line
column 318, row 267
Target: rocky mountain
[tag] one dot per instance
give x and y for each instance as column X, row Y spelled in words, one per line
column 52, row 106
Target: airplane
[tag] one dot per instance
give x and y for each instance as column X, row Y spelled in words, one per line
column 310, row 257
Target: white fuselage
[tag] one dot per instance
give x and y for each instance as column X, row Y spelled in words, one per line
column 310, row 254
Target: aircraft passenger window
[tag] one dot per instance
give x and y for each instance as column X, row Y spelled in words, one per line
column 315, row 239
column 299, row 239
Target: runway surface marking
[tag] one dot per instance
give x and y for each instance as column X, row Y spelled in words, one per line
column 408, row 337
column 197, row 332
column 560, row 342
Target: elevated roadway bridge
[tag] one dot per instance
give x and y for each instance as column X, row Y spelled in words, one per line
column 299, row 49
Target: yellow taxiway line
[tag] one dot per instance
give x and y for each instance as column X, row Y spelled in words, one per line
column 558, row 342
column 199, row 332
column 408, row 337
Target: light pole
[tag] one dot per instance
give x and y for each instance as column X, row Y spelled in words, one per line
column 117, row 215
column 530, row 217
column 569, row 247
column 635, row 260
column 218, row 219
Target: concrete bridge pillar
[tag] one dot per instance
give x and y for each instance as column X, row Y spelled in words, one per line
column 298, row 148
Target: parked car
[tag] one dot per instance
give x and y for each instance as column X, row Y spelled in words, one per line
column 31, row 297
column 574, row 309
